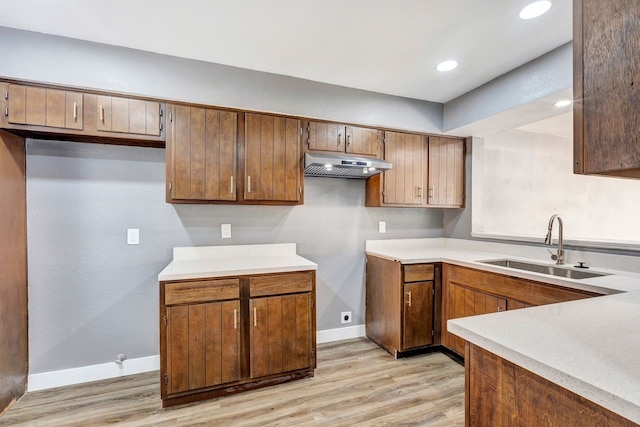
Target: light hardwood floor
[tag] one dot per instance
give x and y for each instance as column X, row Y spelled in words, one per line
column 356, row 383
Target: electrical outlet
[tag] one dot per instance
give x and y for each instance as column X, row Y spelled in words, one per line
column 382, row 226
column 345, row 317
column 133, row 236
column 225, row 231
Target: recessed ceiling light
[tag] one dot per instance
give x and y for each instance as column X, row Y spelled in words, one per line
column 447, row 65
column 562, row 103
column 535, row 9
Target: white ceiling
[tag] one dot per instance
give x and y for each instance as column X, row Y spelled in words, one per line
column 379, row 45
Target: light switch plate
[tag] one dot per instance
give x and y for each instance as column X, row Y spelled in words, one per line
column 133, row 236
column 382, row 227
column 225, row 231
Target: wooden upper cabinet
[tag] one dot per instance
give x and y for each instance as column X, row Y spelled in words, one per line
column 446, row 172
column 37, row 106
column 201, row 154
column 272, row 162
column 606, row 87
column 326, row 136
column 405, row 183
column 126, row 115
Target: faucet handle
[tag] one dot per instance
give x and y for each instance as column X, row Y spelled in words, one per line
column 553, row 256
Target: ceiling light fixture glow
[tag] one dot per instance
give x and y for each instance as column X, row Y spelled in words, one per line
column 562, row 103
column 535, row 9
column 447, row 65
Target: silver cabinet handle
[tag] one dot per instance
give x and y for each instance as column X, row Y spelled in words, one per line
column 419, row 190
column 235, row 318
column 409, row 302
column 348, row 139
column 231, row 189
column 75, row 111
column 255, row 316
column 102, row 114
column 249, row 184
column 431, row 192
column 339, row 139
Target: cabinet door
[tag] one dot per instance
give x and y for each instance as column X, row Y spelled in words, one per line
column 125, row 115
column 446, row 172
column 27, row 105
column 201, row 150
column 417, row 315
column 405, row 182
column 272, row 158
column 325, row 136
column 203, row 345
column 464, row 302
column 362, row 141
column 280, row 334
column 606, row 69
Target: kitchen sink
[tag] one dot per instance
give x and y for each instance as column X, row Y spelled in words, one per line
column 545, row 269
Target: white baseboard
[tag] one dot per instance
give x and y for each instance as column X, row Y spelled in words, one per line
column 86, row 374
column 105, row 371
column 338, row 334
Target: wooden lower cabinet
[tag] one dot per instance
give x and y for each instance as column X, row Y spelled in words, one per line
column 500, row 393
column 402, row 302
column 203, row 345
column 280, row 334
column 216, row 339
column 469, row 292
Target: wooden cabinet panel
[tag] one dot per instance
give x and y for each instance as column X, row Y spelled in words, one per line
column 606, row 91
column 278, row 284
column 36, row 106
column 326, row 136
column 468, row 292
column 405, row 182
column 362, row 141
column 272, row 158
column 418, row 314
column 201, row 154
column 128, row 115
column 201, row 291
column 418, row 272
column 203, row 345
column 500, row 393
column 446, row 172
column 280, row 334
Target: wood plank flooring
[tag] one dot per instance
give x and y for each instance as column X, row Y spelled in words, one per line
column 356, row 383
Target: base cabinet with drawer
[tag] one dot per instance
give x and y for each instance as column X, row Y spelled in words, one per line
column 402, row 304
column 469, row 292
column 226, row 335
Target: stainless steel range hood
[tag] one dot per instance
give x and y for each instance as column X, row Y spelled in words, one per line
column 342, row 166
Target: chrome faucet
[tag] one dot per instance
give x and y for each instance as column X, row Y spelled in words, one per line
column 558, row 257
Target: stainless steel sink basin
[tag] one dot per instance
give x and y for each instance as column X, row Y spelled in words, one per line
column 545, row 269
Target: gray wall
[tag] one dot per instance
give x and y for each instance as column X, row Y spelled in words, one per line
column 60, row 60
column 545, row 75
column 92, row 296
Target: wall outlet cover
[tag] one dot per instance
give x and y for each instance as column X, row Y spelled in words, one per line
column 382, row 226
column 133, row 236
column 345, row 317
column 225, row 231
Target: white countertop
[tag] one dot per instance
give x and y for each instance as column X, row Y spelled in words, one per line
column 590, row 346
column 234, row 260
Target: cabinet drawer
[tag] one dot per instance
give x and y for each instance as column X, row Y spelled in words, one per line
column 278, row 284
column 201, row 291
column 418, row 272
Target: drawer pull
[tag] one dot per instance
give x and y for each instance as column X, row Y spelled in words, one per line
column 249, row 184
column 75, row 111
column 255, row 317
column 231, row 187
column 339, row 139
column 235, row 318
column 409, row 295
column 102, row 114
